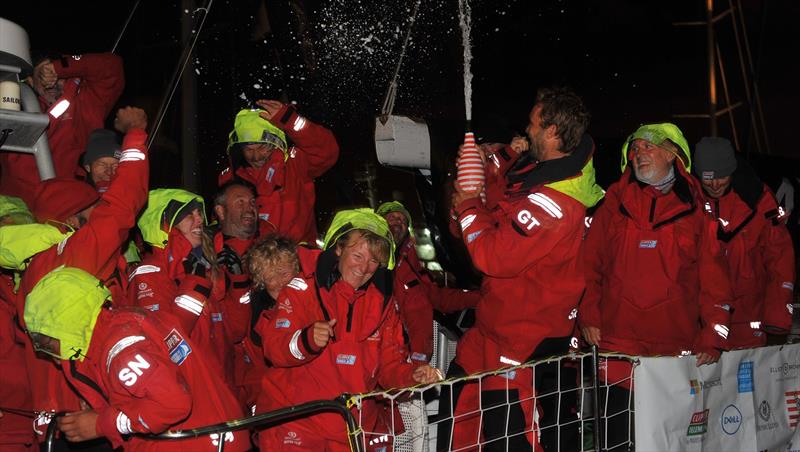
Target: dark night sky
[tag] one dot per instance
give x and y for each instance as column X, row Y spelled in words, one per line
column 625, row 57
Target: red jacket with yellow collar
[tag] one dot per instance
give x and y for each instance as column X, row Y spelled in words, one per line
column 367, row 350
column 285, row 193
column 142, row 374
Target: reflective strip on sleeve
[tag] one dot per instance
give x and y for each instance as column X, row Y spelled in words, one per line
column 467, row 221
column 299, row 123
column 294, row 348
column 547, row 204
column 59, row 108
column 132, row 155
column 722, row 330
column 143, row 269
column 190, row 304
column 298, row 284
column 124, row 424
column 121, row 345
column 510, row 361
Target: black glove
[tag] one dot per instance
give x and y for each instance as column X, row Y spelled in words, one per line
column 228, row 258
column 193, row 265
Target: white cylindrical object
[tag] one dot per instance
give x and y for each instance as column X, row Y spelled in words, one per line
column 15, row 47
column 9, row 95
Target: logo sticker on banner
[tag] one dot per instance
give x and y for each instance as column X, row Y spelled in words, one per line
column 699, row 423
column 745, row 376
column 793, row 407
column 731, row 419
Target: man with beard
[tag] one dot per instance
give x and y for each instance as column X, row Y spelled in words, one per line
column 527, row 243
column 656, row 282
column 235, row 209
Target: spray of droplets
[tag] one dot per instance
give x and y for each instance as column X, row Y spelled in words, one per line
column 465, row 21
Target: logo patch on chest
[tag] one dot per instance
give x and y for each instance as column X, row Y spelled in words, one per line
column 349, row 360
column 648, row 244
column 177, row 347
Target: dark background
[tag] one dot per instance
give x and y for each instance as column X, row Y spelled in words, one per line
column 335, row 58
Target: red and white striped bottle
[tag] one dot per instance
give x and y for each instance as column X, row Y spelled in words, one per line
column 469, row 167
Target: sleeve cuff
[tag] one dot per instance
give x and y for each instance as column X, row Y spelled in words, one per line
column 107, row 425
column 308, row 341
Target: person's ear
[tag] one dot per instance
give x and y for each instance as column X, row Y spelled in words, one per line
column 219, row 211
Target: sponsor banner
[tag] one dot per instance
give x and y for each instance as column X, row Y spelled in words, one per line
column 749, row 400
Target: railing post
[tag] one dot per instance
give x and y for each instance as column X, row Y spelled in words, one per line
column 598, row 434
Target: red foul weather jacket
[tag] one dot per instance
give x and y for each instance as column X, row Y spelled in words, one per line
column 15, row 392
column 160, row 285
column 94, row 83
column 417, row 294
column 529, row 248
column 656, row 282
column 250, row 365
column 285, row 193
column 95, row 248
column 760, row 256
column 143, row 375
column 367, row 349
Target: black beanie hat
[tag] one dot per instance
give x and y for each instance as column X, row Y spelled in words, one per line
column 101, row 143
column 180, row 211
column 714, row 158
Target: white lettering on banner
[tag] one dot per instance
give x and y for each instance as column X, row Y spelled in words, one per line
column 524, row 216
column 751, row 396
column 130, row 374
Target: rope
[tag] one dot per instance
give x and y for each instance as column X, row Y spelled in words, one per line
column 125, row 27
column 187, row 52
column 391, row 93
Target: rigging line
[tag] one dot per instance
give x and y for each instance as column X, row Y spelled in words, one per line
column 388, row 101
column 125, row 27
column 187, row 51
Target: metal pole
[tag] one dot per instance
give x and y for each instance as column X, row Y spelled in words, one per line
column 41, row 150
column 598, row 434
column 726, row 94
column 712, row 75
